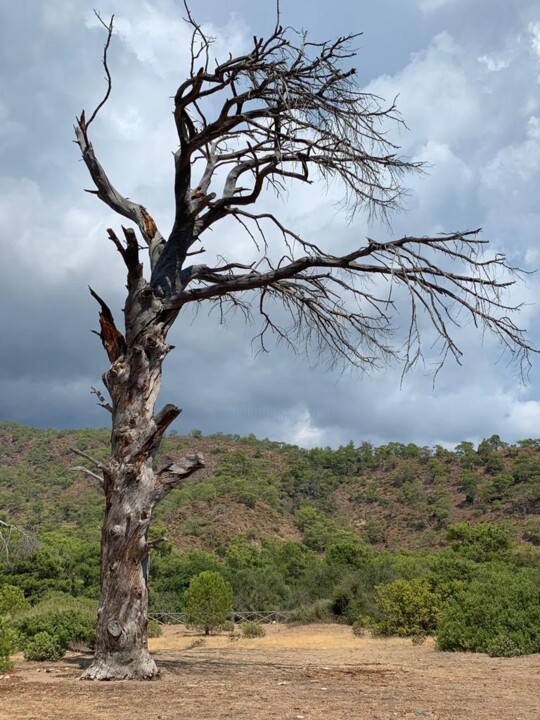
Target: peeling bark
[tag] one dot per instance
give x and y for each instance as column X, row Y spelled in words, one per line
column 131, row 487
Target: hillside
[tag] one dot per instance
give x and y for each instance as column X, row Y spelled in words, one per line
column 393, row 496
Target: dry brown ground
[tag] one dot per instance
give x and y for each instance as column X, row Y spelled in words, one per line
column 315, row 673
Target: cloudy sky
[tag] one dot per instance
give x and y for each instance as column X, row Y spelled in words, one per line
column 468, row 77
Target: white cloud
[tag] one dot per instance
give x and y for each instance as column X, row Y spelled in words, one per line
column 534, row 33
column 515, row 165
column 437, row 97
column 523, row 419
column 495, row 63
column 11, row 132
column 66, row 239
column 160, row 39
column 300, row 430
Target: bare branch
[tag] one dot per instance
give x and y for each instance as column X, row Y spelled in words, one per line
column 105, row 190
column 88, row 472
column 109, row 29
column 84, row 455
column 172, row 475
column 102, row 400
column 290, row 110
column 323, row 304
column 151, row 544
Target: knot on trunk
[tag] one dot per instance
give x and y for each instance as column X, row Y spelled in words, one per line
column 114, row 628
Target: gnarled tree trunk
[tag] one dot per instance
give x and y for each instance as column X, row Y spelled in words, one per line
column 131, row 486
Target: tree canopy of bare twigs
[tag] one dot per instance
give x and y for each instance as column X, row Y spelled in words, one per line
column 290, row 110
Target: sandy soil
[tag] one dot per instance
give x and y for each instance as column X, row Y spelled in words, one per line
column 312, row 673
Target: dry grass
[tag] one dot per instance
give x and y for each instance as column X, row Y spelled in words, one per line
column 315, row 672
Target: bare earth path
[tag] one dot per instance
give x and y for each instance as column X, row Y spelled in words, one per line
column 314, row 672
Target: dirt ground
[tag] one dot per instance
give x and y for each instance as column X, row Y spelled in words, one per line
column 303, row 673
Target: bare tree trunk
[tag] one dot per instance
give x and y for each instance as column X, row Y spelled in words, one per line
column 131, row 492
column 131, row 487
column 121, row 640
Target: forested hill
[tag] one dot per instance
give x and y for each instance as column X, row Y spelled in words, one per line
column 392, row 496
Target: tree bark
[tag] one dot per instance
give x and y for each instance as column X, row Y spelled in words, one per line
column 130, row 485
column 121, row 639
column 131, row 492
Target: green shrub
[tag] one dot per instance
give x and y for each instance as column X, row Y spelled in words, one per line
column 406, row 608
column 319, row 611
column 496, row 614
column 252, row 629
column 481, row 542
column 153, row 629
column 227, row 626
column 504, row 646
column 66, row 626
column 12, row 600
column 208, row 601
column 43, row 647
column 8, row 642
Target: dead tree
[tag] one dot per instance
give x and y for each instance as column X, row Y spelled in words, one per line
column 16, row 543
column 289, row 111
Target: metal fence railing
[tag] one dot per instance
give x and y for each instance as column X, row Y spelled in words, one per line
column 262, row 616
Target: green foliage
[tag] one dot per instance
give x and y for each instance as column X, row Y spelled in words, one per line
column 504, row 646
column 497, row 613
column 252, row 629
column 406, row 608
column 12, row 600
column 398, row 494
column 208, row 601
column 349, row 553
column 67, row 620
column 481, row 542
column 153, row 629
column 319, row 611
column 469, row 484
column 42, row 647
column 171, row 573
column 319, row 530
column 531, row 532
column 8, row 642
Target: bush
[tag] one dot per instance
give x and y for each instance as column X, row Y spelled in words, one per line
column 252, row 629
column 481, row 542
column 406, row 608
column 317, row 612
column 43, row 647
column 228, row 626
column 153, row 629
column 65, row 626
column 497, row 614
column 8, row 642
column 12, row 600
column 503, row 646
column 208, row 601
